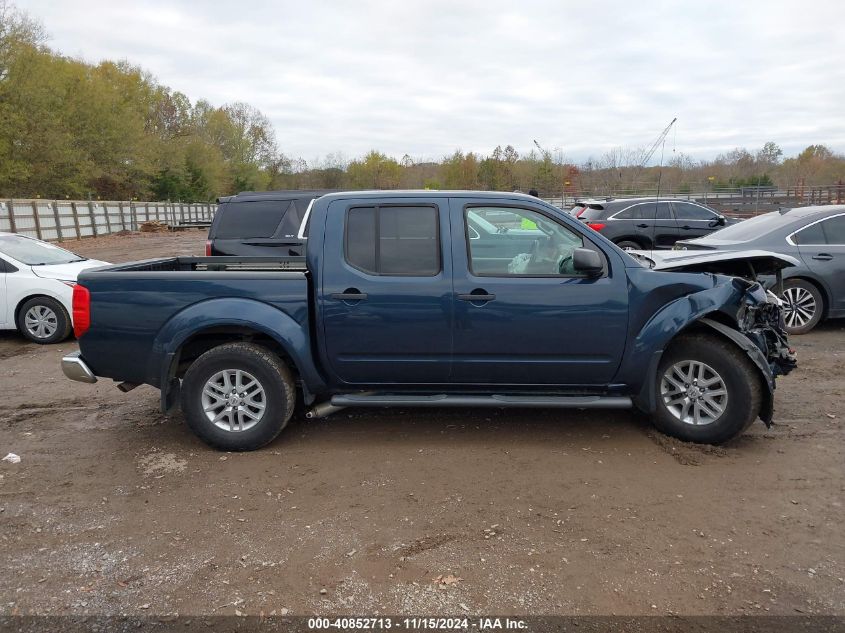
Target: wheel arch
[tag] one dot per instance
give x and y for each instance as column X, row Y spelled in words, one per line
column 36, row 295
column 717, row 324
column 208, row 324
column 643, row 241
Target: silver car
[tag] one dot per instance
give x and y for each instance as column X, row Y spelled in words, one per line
column 815, row 236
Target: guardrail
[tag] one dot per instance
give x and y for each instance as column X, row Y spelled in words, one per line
column 73, row 219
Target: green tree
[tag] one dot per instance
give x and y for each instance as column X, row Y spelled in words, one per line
column 374, row 171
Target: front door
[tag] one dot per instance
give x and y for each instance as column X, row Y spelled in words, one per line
column 529, row 318
column 386, row 296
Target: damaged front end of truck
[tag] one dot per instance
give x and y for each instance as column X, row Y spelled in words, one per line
column 735, row 305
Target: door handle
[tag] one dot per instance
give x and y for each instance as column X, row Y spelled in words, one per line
column 823, row 257
column 642, row 226
column 350, row 294
column 477, row 296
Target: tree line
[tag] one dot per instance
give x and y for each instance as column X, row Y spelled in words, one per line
column 69, row 129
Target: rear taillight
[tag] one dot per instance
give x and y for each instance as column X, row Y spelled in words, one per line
column 81, row 310
column 208, row 248
column 596, row 226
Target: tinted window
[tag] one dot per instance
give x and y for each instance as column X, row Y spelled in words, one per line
column 687, row 211
column 631, row 213
column 361, row 238
column 592, row 213
column 648, row 210
column 834, row 230
column 813, row 234
column 525, row 243
column 251, row 219
column 293, row 218
column 393, row 240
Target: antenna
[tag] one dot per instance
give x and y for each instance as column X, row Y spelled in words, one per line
column 661, row 141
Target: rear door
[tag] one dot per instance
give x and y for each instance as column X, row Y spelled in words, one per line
column 822, row 247
column 386, row 296
column 694, row 220
column 529, row 319
column 659, row 223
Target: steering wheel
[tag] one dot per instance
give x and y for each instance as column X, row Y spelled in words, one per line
column 562, row 265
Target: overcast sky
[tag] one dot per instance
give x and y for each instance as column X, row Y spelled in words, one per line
column 427, row 77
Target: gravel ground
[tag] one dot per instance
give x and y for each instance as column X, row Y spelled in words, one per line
column 115, row 508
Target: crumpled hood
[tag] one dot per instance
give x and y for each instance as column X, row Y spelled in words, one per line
column 734, row 263
column 66, row 272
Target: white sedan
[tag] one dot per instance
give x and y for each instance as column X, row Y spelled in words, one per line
column 36, row 287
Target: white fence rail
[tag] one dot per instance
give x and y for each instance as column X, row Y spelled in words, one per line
column 73, row 219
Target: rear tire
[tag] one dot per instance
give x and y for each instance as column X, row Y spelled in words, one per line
column 238, row 396
column 44, row 320
column 803, row 306
column 629, row 245
column 708, row 390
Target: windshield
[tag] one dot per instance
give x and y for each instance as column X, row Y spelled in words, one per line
column 34, row 252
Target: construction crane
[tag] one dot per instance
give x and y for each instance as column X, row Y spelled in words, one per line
column 656, row 143
column 542, row 151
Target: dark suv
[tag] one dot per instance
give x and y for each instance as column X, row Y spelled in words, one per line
column 649, row 223
column 263, row 224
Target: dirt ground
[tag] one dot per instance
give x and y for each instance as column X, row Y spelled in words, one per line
column 117, row 509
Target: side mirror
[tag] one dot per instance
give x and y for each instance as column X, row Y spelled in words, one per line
column 721, row 220
column 588, row 262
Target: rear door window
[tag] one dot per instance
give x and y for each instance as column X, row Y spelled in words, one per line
column 813, row 234
column 393, row 240
column 654, row 210
column 631, row 213
column 251, row 219
column 834, row 230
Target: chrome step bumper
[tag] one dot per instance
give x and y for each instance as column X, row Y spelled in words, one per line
column 75, row 368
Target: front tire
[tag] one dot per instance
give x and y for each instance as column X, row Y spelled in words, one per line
column 44, row 320
column 708, row 390
column 238, row 396
column 803, row 306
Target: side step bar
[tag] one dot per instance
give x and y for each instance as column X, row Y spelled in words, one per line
column 447, row 400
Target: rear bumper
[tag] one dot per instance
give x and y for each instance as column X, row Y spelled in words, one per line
column 75, row 368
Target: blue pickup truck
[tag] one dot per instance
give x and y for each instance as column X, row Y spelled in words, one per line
column 423, row 299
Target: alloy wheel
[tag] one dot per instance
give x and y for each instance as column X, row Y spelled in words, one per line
column 694, row 392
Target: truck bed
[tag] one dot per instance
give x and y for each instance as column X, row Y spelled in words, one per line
column 138, row 308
